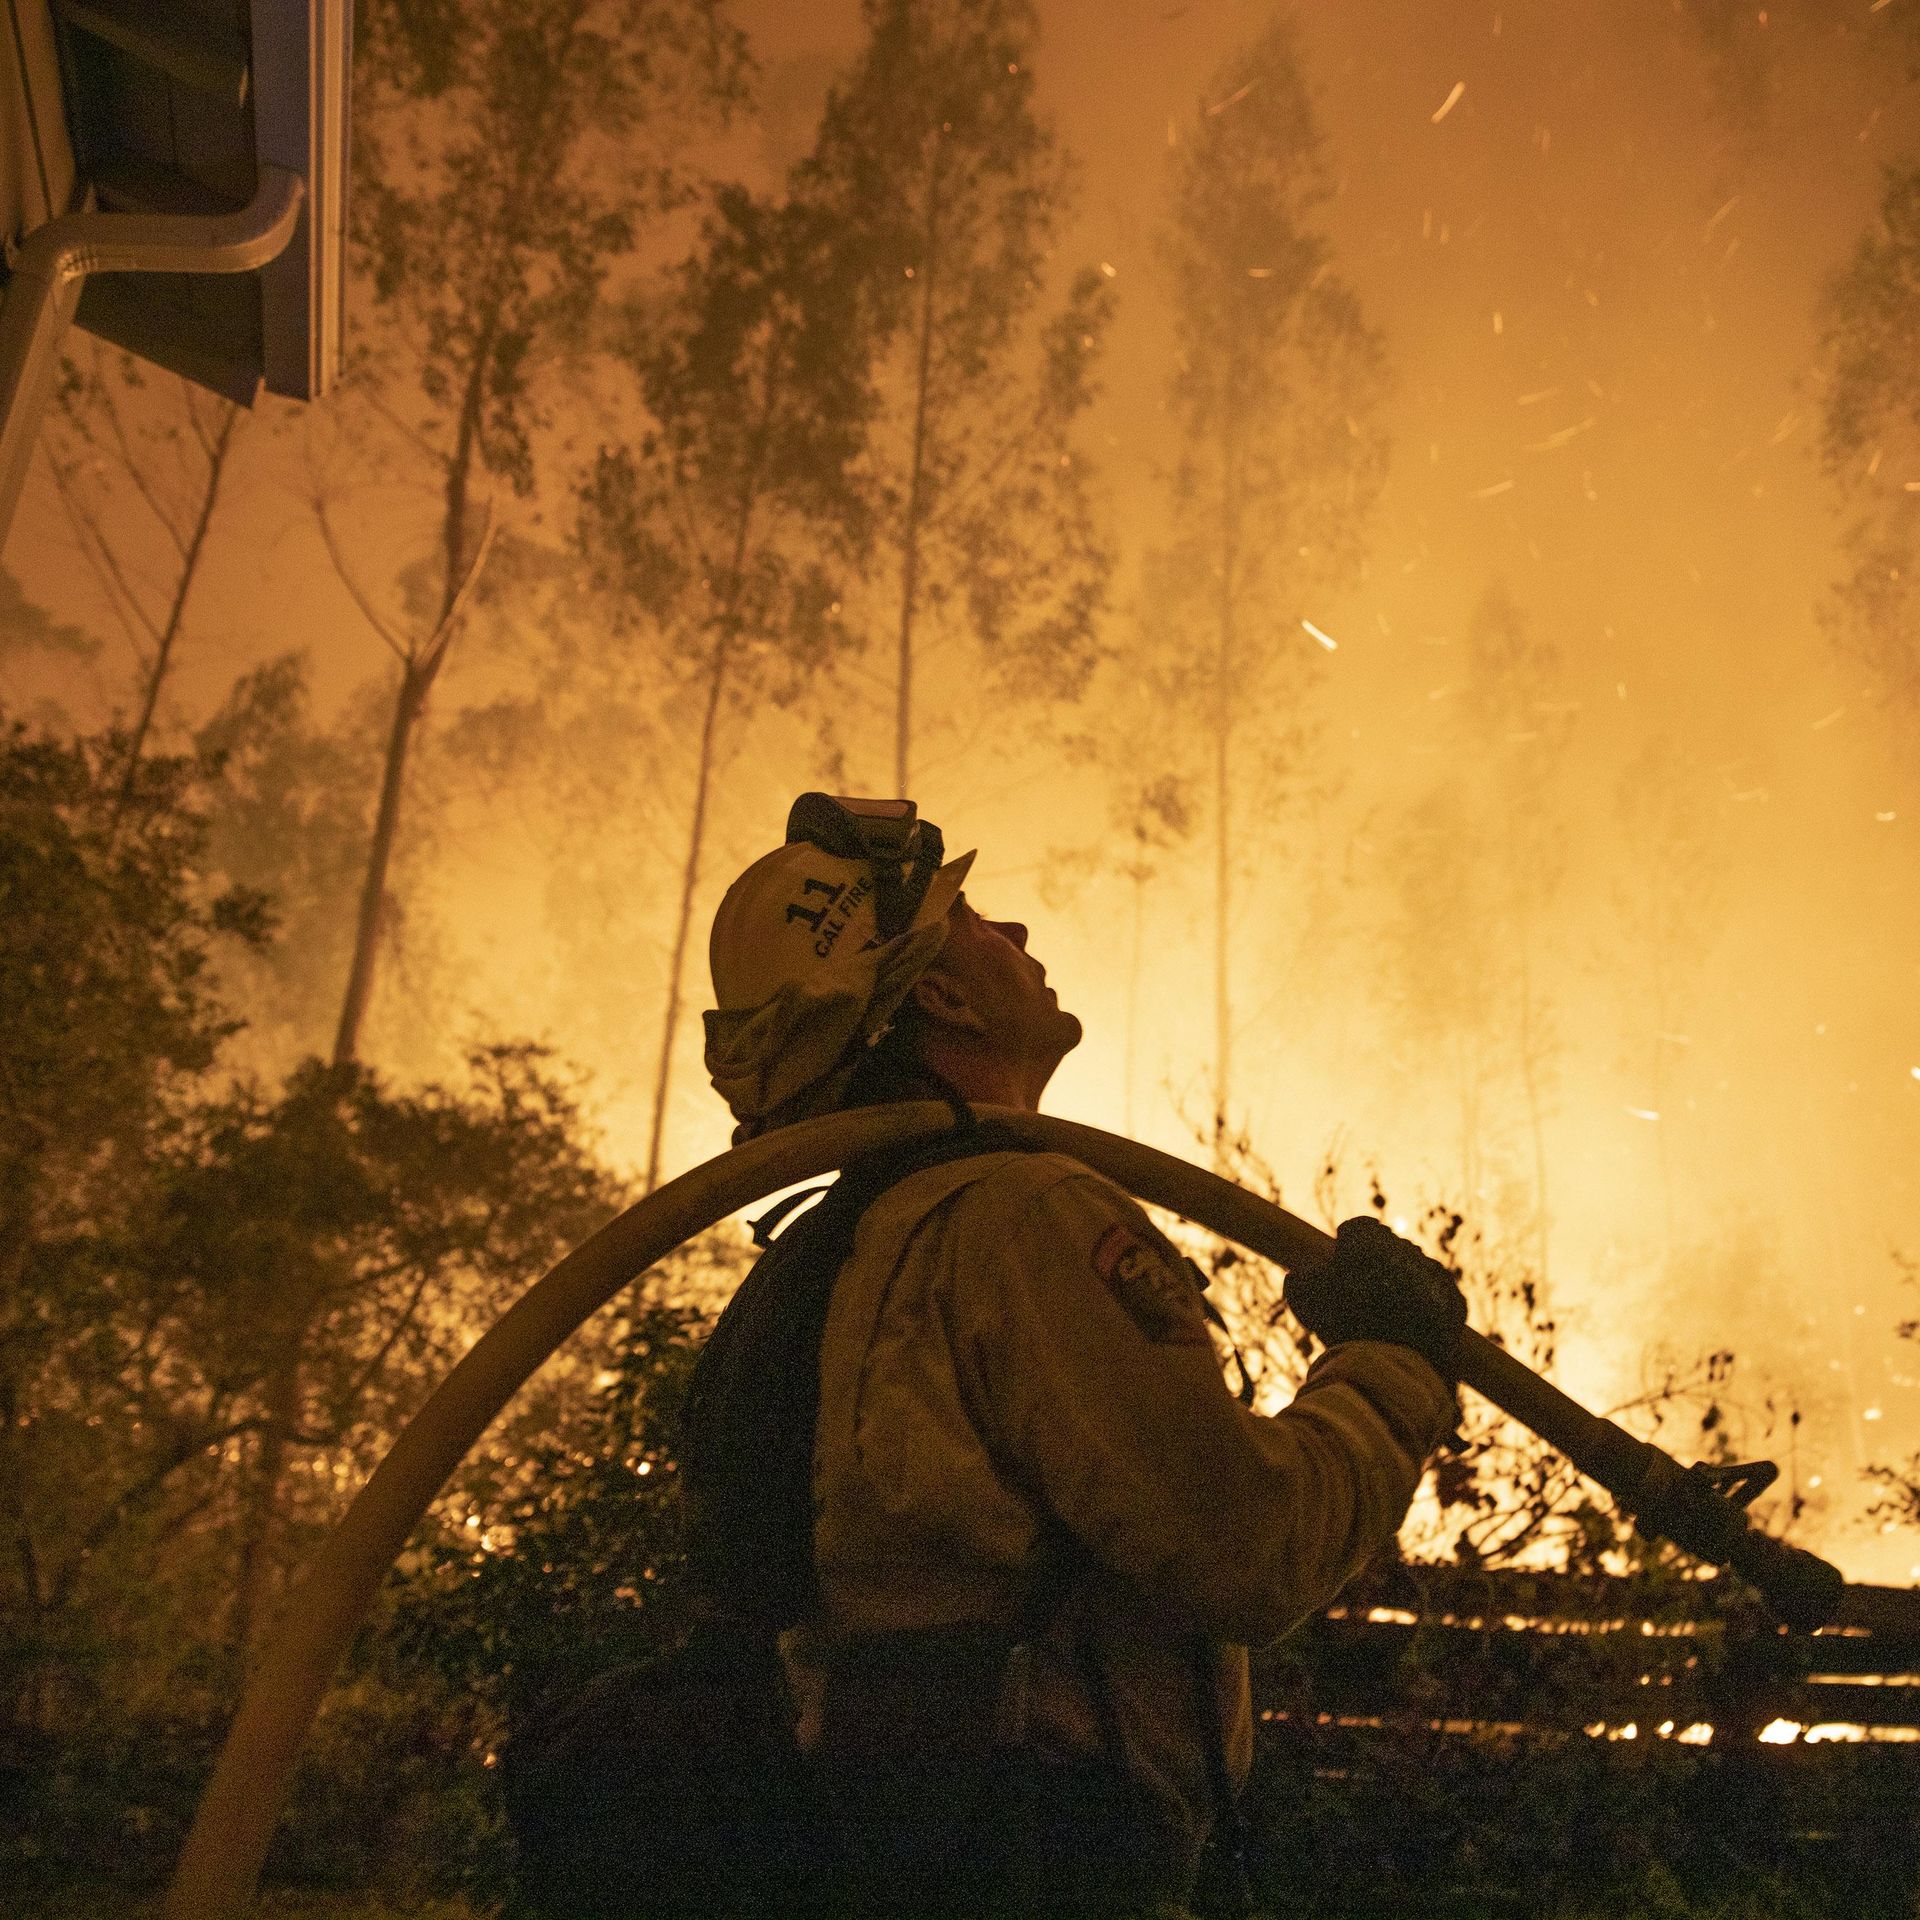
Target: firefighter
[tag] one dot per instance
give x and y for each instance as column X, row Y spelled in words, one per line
column 1045, row 1533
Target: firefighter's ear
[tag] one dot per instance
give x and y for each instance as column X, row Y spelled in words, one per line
column 942, row 1000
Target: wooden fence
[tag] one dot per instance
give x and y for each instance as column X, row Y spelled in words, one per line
column 1440, row 1713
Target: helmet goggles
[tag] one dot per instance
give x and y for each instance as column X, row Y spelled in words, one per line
column 904, row 851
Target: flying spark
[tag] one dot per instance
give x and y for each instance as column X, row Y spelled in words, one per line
column 1561, row 438
column 1643, row 1113
column 1827, row 719
column 1326, row 639
column 1488, row 493
column 1452, row 100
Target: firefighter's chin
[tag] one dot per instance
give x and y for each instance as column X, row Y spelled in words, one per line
column 1063, row 1029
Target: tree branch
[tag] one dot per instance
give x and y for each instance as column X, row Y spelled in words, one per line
column 371, row 1371
column 442, row 636
column 217, row 452
column 411, row 434
column 399, row 649
column 196, row 423
column 100, row 557
column 188, row 1444
column 132, row 467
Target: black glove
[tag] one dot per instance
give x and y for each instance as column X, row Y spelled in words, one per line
column 1376, row 1286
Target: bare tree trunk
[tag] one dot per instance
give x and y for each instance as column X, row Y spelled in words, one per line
column 419, row 669
column 724, row 630
column 1222, row 892
column 408, row 704
column 1137, row 873
column 1469, row 1073
column 1663, row 1013
column 1223, row 800
column 259, row 1496
column 916, row 499
column 31, row 1700
column 177, row 606
column 260, row 1489
column 31, row 1691
column 683, row 917
column 1536, row 1119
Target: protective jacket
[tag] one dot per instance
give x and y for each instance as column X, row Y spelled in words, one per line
column 1015, row 1354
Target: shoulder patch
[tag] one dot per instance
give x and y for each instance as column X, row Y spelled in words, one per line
column 1157, row 1293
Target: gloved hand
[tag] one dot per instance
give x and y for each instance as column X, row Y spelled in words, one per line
column 1376, row 1286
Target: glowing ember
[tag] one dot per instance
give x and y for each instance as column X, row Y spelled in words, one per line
column 1561, row 438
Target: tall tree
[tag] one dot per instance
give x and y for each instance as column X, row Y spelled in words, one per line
column 139, row 461
column 1473, row 873
column 216, row 1301
column 1517, row 724
column 723, row 535
column 1152, row 816
column 1439, row 947
column 287, row 818
column 505, row 155
column 344, row 1246
column 1673, row 878
column 107, row 1019
column 1149, row 819
column 1276, row 373
column 986, row 538
column 1870, row 380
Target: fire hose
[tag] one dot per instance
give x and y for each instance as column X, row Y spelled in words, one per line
column 1700, row 1509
